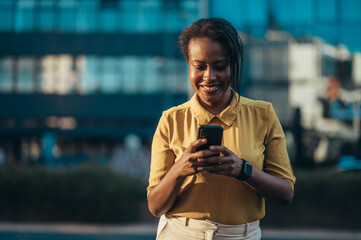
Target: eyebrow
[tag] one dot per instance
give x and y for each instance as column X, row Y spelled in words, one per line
column 215, row 62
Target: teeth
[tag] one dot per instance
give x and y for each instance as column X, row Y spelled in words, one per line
column 211, row 88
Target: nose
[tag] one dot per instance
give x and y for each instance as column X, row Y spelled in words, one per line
column 209, row 74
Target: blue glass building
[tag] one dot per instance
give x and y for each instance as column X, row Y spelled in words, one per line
column 335, row 21
column 90, row 72
column 87, row 72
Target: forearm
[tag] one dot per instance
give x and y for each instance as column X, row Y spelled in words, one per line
column 162, row 197
column 270, row 186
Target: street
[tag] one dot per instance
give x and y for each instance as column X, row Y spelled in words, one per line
column 60, row 231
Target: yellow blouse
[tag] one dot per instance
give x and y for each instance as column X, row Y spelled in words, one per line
column 251, row 130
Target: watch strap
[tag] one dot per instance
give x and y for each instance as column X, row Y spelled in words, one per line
column 246, row 171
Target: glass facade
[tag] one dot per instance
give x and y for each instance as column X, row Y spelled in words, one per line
column 87, row 74
column 335, row 21
column 6, row 76
column 262, row 65
column 25, row 75
column 76, row 55
column 89, row 16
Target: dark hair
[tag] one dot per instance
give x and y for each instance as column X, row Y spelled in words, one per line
column 220, row 30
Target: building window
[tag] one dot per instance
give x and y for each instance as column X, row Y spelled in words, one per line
column 6, row 76
column 46, row 18
column 109, row 20
column 86, row 16
column 25, row 77
column 48, row 68
column 329, row 65
column 277, row 70
column 174, row 76
column 67, row 15
column 88, row 74
column 151, row 71
column 6, row 13
column 130, row 74
column 256, row 63
column 24, row 16
column 128, row 10
column 66, row 75
column 151, row 18
column 109, row 78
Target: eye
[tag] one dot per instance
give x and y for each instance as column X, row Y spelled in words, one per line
column 220, row 68
column 199, row 67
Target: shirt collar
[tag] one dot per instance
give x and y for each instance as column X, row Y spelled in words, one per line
column 227, row 116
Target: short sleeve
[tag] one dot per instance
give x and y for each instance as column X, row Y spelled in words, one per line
column 162, row 157
column 277, row 162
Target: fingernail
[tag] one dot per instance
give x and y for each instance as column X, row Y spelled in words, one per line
column 200, row 159
column 200, row 169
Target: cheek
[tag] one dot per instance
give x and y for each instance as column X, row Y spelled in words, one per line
column 224, row 77
column 227, row 75
column 194, row 77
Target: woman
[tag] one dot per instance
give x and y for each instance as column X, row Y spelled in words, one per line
column 197, row 194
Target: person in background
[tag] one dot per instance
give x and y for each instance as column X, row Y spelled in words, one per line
column 333, row 89
column 202, row 195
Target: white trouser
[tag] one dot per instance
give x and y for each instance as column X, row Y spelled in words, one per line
column 187, row 228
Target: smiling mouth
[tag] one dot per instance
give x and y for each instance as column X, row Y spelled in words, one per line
column 209, row 89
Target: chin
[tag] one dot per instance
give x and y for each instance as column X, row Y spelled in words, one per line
column 210, row 100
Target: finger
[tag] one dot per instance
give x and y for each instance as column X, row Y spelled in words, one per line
column 210, row 160
column 221, row 149
column 204, row 154
column 215, row 168
column 199, row 142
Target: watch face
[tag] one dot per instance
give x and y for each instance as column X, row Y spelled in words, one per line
column 247, row 169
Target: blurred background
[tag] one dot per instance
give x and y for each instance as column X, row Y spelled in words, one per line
column 83, row 84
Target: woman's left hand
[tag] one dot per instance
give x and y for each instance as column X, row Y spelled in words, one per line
column 227, row 163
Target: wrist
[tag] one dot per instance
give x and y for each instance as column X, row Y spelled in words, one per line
column 246, row 171
column 176, row 173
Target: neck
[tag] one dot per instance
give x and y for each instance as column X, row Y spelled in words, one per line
column 217, row 108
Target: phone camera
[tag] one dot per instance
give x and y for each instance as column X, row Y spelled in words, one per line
column 202, row 133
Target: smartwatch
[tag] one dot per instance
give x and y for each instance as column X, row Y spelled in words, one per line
column 246, row 171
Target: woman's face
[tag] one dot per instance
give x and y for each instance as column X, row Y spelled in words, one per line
column 210, row 73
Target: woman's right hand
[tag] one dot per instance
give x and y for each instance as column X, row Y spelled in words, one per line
column 187, row 164
column 162, row 197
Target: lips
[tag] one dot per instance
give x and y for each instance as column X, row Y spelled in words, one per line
column 209, row 88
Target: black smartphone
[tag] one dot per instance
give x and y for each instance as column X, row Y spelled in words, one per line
column 212, row 133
